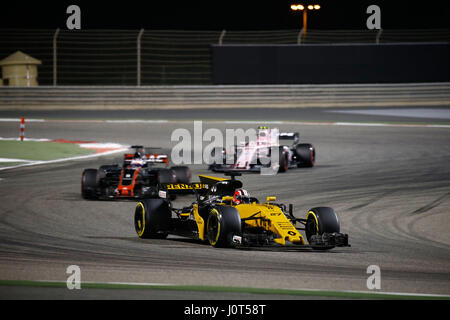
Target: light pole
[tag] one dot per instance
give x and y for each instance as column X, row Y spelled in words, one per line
column 305, row 9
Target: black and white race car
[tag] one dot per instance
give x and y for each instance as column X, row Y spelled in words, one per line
column 139, row 177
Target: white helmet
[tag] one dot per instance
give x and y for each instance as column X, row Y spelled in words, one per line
column 240, row 196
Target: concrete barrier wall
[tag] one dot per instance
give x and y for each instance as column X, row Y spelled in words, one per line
column 233, row 96
column 331, row 63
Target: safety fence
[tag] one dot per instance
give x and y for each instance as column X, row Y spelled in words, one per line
column 163, row 57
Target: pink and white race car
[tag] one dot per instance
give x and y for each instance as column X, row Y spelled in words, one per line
column 259, row 154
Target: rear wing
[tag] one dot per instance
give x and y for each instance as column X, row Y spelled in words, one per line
column 289, row 136
column 157, row 158
column 206, row 182
column 149, row 158
column 210, row 180
column 201, row 188
column 182, row 188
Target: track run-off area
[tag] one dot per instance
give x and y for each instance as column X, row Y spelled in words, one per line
column 386, row 175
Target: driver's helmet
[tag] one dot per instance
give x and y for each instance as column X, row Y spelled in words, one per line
column 241, row 196
column 138, row 154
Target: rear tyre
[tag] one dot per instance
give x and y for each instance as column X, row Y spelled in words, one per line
column 166, row 176
column 152, row 219
column 89, row 184
column 321, row 220
column 222, row 224
column 306, row 154
column 218, row 156
column 283, row 160
column 182, row 174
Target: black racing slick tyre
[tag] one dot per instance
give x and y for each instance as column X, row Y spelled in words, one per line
column 182, row 174
column 283, row 160
column 306, row 155
column 89, row 184
column 101, row 173
column 321, row 220
column 166, row 176
column 152, row 219
column 223, row 223
column 218, row 156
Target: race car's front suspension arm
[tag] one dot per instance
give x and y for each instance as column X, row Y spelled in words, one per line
column 290, row 215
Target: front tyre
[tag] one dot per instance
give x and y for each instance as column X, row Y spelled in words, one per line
column 152, row 219
column 89, row 184
column 321, row 220
column 222, row 224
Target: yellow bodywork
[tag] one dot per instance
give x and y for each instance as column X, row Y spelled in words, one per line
column 273, row 220
column 265, row 215
column 200, row 222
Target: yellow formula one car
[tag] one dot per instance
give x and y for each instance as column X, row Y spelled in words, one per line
column 226, row 216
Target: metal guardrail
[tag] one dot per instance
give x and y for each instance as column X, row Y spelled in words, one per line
column 404, row 94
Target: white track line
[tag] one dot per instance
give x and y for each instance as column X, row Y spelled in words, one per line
column 150, row 284
column 135, row 121
column 408, row 294
column 13, row 160
column 398, row 125
column 34, row 163
column 99, row 145
column 25, row 139
column 249, row 122
column 18, row 120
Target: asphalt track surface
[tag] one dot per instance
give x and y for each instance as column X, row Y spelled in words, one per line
column 390, row 186
column 442, row 114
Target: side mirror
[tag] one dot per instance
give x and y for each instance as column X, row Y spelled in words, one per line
column 271, row 199
column 227, row 199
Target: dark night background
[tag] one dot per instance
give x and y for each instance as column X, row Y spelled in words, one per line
column 223, row 14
